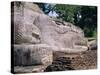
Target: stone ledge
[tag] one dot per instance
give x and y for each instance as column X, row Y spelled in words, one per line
column 30, row 69
column 28, row 55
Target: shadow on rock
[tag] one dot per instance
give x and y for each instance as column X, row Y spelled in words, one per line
column 60, row 64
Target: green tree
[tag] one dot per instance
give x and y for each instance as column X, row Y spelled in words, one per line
column 88, row 21
column 67, row 12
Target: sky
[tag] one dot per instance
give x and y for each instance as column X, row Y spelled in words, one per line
column 54, row 14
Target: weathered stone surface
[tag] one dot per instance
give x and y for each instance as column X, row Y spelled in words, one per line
column 33, row 27
column 86, row 60
column 93, row 45
column 27, row 55
column 36, row 36
column 59, row 35
column 29, row 69
column 24, row 29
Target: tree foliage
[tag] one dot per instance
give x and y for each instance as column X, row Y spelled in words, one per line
column 88, row 22
column 66, row 12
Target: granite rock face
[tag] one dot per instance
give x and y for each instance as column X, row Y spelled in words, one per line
column 27, row 55
column 24, row 29
column 93, row 45
column 33, row 28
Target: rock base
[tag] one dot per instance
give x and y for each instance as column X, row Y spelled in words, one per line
column 28, row 55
